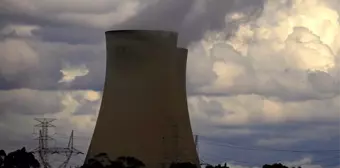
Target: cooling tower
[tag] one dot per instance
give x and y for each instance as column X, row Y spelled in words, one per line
column 144, row 111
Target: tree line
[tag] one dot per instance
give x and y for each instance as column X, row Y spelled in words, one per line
column 24, row 159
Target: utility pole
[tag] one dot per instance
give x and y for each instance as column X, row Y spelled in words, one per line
column 196, row 144
column 196, row 139
column 43, row 150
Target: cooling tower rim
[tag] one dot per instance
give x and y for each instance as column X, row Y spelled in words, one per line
column 158, row 37
column 154, row 32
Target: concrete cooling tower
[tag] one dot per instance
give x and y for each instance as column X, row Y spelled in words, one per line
column 144, row 111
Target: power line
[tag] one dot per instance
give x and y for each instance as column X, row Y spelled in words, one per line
column 326, row 159
column 75, row 136
column 223, row 159
column 213, row 156
column 332, row 164
column 226, row 144
column 196, row 143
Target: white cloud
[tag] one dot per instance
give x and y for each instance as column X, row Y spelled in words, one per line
column 92, row 96
column 274, row 55
column 70, row 73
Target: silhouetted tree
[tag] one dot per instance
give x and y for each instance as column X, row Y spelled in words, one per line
column 92, row 163
column 217, row 166
column 130, row 162
column 209, row 166
column 275, row 165
column 100, row 160
column 116, row 164
column 18, row 159
column 103, row 161
column 183, row 165
column 2, row 158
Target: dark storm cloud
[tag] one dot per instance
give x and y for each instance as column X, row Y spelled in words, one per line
column 175, row 16
column 70, row 35
column 15, row 17
column 309, row 137
column 43, row 82
column 323, row 82
column 283, row 94
column 213, row 18
column 181, row 16
column 163, row 15
column 220, row 152
column 45, row 76
column 212, row 109
column 167, row 15
column 52, row 57
column 29, row 102
column 10, row 144
column 53, row 30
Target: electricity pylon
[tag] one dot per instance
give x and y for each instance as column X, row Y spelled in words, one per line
column 43, row 150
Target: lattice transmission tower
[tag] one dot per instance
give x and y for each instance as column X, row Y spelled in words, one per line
column 43, row 150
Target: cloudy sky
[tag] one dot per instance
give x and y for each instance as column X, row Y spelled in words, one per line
column 263, row 76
